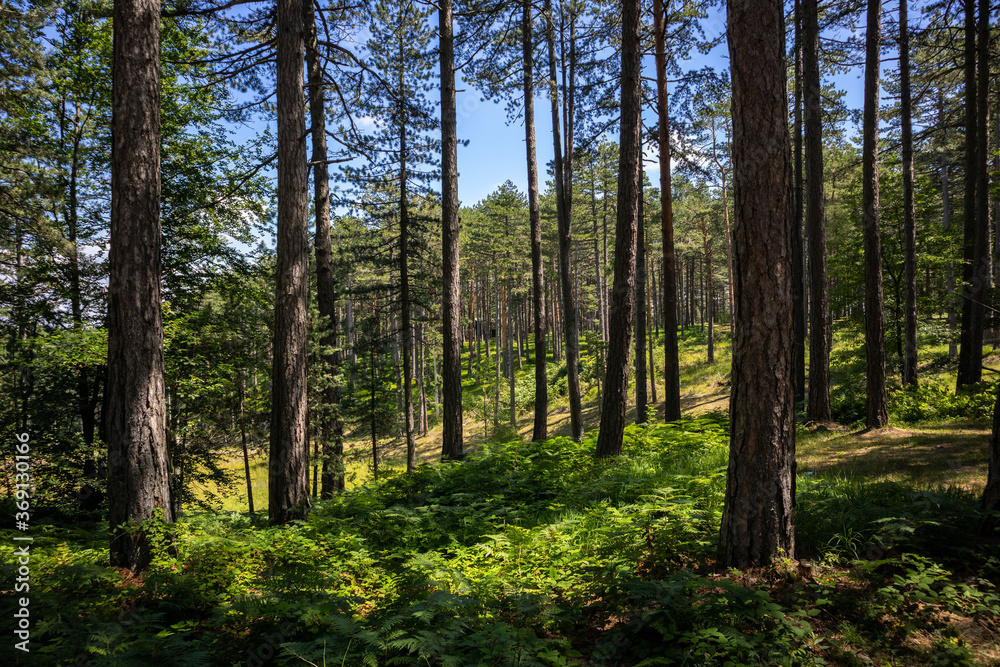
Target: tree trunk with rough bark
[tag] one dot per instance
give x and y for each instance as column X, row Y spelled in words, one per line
column 975, row 264
column 818, row 408
column 671, row 355
column 569, row 315
column 451, row 445
column 641, row 395
column 757, row 525
column 331, row 430
column 877, row 397
column 539, row 430
column 615, row 401
column 909, row 208
column 798, row 285
column 288, row 483
column 138, row 477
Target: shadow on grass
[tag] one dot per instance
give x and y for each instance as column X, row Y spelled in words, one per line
column 939, row 455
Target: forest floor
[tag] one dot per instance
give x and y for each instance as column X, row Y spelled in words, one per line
column 536, row 554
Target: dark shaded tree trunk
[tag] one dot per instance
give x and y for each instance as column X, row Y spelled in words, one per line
column 877, row 398
column 569, row 315
column 649, row 316
column 451, row 445
column 641, row 395
column 818, row 409
column 615, row 401
column 406, row 326
column 983, row 271
column 243, row 442
column 539, row 430
column 757, row 525
column 798, row 284
column 975, row 265
column 709, row 293
column 946, row 225
column 671, row 356
column 991, row 494
column 288, row 481
column 909, row 208
column 331, row 431
column 138, row 477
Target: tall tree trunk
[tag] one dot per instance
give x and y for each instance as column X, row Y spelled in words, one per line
column 539, row 430
column 909, row 209
column 404, row 281
column 710, row 294
column 615, row 402
column 671, row 355
column 243, row 442
column 877, row 398
column 725, row 219
column 330, row 428
column 818, row 409
column 757, row 523
column 798, row 285
column 641, row 400
column 649, row 319
column 569, row 315
column 510, row 355
column 974, row 277
column 138, row 481
column 421, row 361
column 451, row 446
column 984, row 268
column 946, row 225
column 599, row 279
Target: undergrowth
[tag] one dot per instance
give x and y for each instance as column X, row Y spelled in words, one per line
column 530, row 554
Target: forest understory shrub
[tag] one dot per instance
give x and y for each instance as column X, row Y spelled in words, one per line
column 530, row 554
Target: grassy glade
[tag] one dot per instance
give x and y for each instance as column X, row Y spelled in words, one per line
column 531, row 554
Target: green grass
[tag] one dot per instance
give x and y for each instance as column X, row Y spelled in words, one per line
column 534, row 554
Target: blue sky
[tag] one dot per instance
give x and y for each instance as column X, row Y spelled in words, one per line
column 496, row 150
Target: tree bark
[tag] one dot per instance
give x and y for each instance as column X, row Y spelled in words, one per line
column 288, row 492
column 798, row 284
column 946, row 225
column 710, row 293
column 641, row 396
column 615, row 401
column 569, row 315
column 909, row 209
column 671, row 356
column 138, row 482
column 757, row 525
column 451, row 445
column 975, row 265
column 818, row 409
column 539, row 430
column 877, row 398
column 331, row 429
